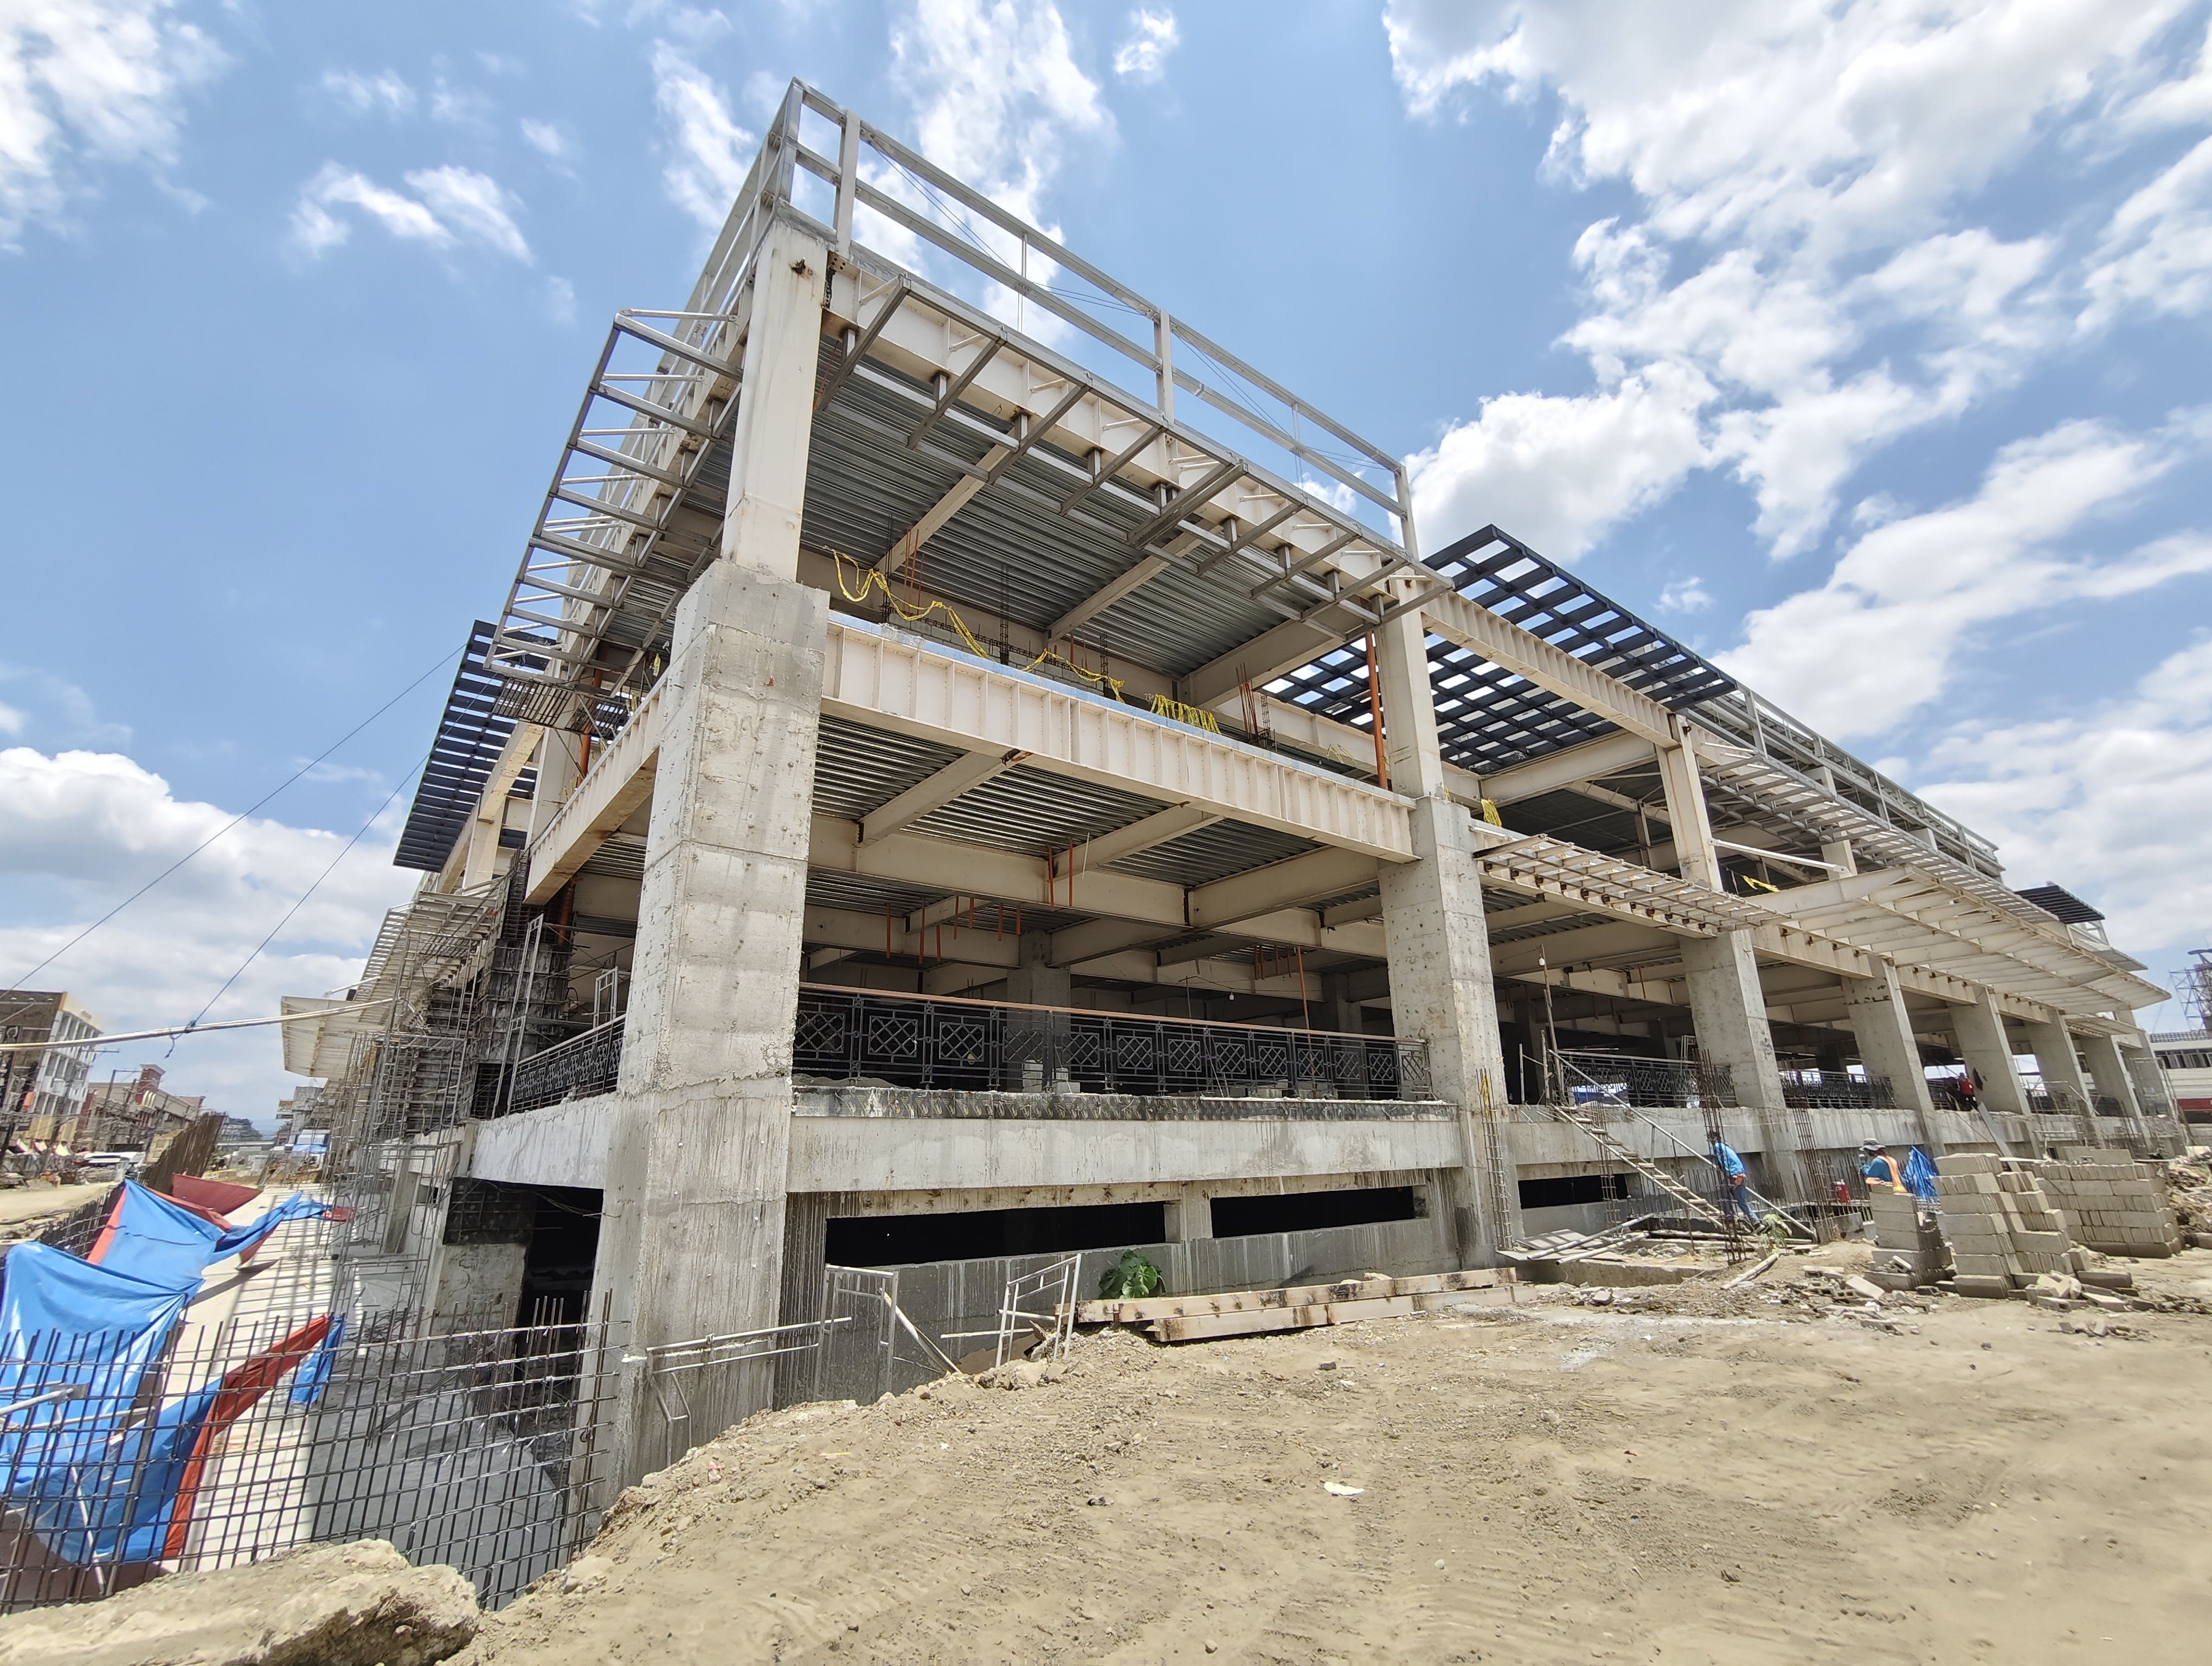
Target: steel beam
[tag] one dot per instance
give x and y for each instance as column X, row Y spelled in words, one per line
column 918, row 800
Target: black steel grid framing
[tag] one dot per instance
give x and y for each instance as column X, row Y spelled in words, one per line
column 1488, row 718
column 471, row 731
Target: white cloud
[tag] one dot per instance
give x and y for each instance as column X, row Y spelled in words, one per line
column 1685, row 596
column 1802, row 167
column 386, row 94
column 547, row 139
column 84, row 81
column 708, row 152
column 79, row 831
column 11, row 720
column 451, row 206
column 1885, row 636
column 1143, row 57
column 2111, row 803
column 998, row 93
column 1557, row 471
column 2157, row 251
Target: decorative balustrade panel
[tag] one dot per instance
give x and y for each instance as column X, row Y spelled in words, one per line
column 845, row 1035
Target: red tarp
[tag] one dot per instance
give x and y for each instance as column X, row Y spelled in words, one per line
column 219, row 1195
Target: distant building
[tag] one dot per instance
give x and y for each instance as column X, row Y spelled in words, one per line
column 133, row 1113
column 44, row 1089
column 304, row 1109
column 237, row 1131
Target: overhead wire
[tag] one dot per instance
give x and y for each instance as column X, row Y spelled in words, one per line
column 302, row 900
column 437, row 665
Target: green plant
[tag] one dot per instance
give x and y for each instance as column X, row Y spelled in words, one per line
column 1129, row 1278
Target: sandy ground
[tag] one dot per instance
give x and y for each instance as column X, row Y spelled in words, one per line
column 1700, row 1476
column 39, row 1200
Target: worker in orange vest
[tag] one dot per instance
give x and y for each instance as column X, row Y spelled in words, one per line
column 1880, row 1168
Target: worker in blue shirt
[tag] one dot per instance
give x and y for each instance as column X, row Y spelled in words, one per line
column 1879, row 1170
column 1739, row 1183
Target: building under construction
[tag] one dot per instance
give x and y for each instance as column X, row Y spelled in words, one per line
column 968, row 769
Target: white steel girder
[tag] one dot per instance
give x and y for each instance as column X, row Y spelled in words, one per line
column 887, row 680
column 1916, row 919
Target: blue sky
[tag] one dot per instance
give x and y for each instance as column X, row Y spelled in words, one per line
column 1864, row 345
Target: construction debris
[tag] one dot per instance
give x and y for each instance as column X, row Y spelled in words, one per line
column 1302, row 1307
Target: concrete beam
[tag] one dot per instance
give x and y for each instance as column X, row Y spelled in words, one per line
column 619, row 779
column 896, row 683
column 970, row 770
column 1317, row 873
column 1168, row 824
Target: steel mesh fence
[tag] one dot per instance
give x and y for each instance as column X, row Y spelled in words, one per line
column 129, row 1454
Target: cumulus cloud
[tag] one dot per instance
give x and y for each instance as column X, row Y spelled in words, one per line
column 451, row 207
column 1883, row 636
column 1685, row 596
column 1143, row 57
column 80, row 830
column 708, row 151
column 84, row 82
column 2112, row 802
column 1801, row 168
column 1557, row 471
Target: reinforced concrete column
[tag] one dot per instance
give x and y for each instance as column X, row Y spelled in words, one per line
column 1727, row 1005
column 693, row 1224
column 1978, row 1030
column 2056, row 1062
column 1438, row 946
column 2110, row 1073
column 1036, row 1038
column 1875, row 1008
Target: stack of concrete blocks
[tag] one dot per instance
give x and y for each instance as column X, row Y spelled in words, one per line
column 2002, row 1231
column 1908, row 1248
column 2116, row 1206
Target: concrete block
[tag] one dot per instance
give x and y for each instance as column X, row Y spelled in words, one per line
column 1955, row 1163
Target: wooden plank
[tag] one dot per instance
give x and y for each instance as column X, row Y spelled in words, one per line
column 1198, row 1327
column 1150, row 1308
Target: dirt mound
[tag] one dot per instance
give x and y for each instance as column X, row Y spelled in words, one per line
column 1537, row 1482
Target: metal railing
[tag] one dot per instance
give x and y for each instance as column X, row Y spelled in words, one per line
column 1604, row 1080
column 576, row 1068
column 947, row 1042
column 1834, row 1089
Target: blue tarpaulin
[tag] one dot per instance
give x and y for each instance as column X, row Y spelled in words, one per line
column 95, row 1476
column 152, row 1238
column 1919, row 1174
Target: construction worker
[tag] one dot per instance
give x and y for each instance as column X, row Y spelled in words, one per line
column 1880, row 1168
column 1739, row 1183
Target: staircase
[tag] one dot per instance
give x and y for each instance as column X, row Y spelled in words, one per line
column 1656, row 1177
